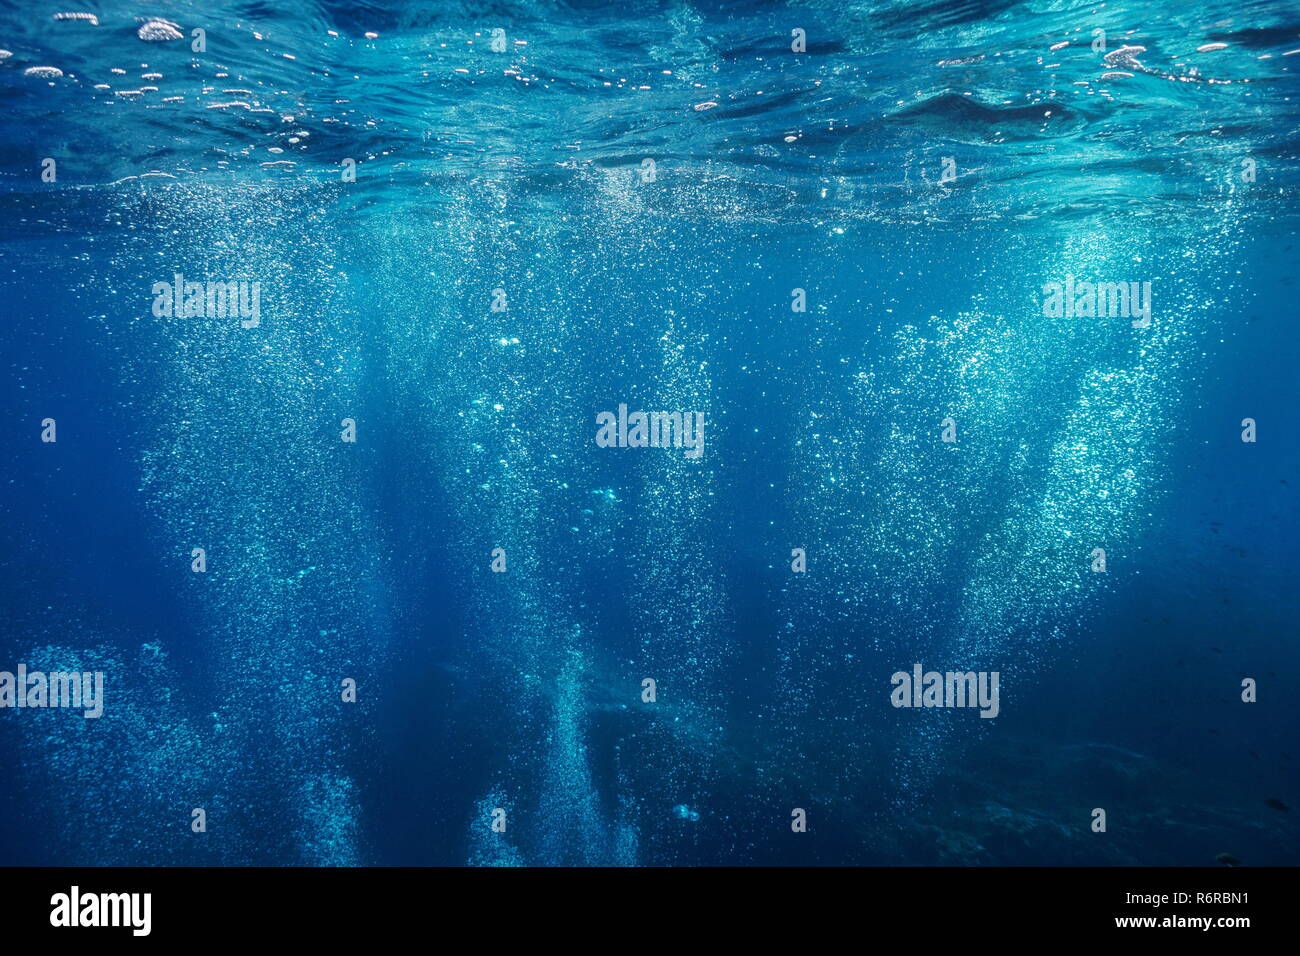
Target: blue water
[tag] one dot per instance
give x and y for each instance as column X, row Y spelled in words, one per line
column 920, row 171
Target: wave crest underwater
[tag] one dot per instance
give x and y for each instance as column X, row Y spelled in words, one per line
column 827, row 228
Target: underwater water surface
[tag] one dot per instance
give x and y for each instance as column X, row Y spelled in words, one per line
column 367, row 584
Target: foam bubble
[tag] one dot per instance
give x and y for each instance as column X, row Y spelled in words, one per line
column 158, row 31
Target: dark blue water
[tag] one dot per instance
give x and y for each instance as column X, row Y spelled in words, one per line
column 922, row 173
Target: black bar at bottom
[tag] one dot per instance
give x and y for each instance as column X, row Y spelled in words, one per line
column 334, row 906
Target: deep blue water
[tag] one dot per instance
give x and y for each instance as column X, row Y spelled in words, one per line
column 1167, row 157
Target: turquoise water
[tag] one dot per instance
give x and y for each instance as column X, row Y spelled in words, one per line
column 837, row 258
